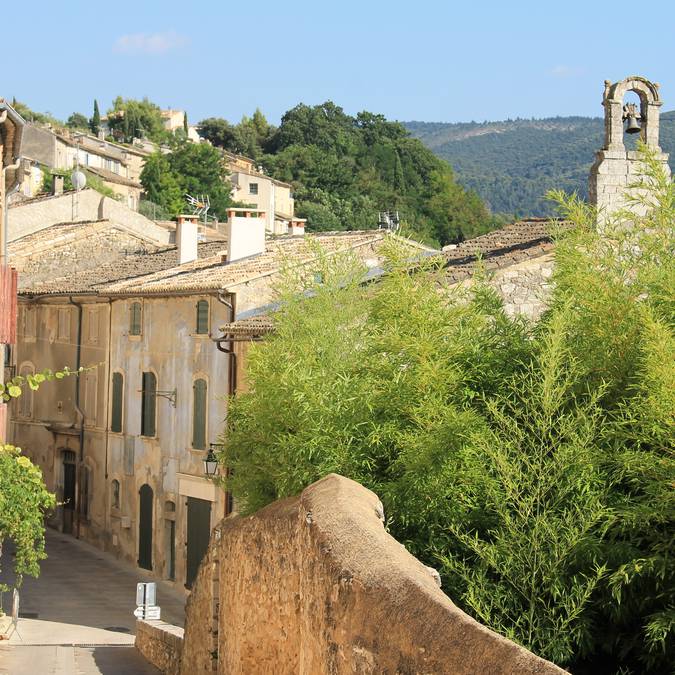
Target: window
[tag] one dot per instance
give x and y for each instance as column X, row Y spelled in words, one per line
column 203, row 317
column 117, row 402
column 115, row 494
column 25, row 401
column 90, row 396
column 92, row 320
column 135, row 317
column 64, row 323
column 253, row 188
column 148, row 404
column 29, row 321
column 199, row 415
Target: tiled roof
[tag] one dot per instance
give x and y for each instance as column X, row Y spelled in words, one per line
column 127, row 267
column 210, row 273
column 112, row 177
column 515, row 243
column 251, row 327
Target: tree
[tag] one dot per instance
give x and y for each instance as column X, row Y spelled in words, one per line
column 219, row 132
column 95, row 121
column 130, row 118
column 161, row 185
column 532, row 462
column 77, row 121
column 185, row 124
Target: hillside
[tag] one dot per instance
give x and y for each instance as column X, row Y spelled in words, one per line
column 511, row 164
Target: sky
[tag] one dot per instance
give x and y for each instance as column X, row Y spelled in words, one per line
column 431, row 61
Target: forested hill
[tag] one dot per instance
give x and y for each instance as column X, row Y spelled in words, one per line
column 512, row 164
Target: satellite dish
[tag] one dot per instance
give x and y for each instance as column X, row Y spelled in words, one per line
column 78, row 179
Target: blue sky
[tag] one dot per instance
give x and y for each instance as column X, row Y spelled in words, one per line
column 432, row 61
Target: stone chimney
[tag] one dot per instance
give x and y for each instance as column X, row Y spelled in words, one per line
column 186, row 238
column 297, row 226
column 57, row 184
column 245, row 231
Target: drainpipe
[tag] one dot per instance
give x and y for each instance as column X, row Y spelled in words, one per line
column 232, row 375
column 109, row 380
column 79, row 411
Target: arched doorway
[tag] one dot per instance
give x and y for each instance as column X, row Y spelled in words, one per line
column 145, row 498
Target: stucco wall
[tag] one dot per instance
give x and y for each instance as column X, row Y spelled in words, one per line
column 314, row 584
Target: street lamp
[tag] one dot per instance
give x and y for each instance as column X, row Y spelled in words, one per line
column 211, row 461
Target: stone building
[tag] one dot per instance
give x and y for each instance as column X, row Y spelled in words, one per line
column 123, row 445
column 616, row 167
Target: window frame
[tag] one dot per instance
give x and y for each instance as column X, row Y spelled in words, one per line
column 200, row 434
column 255, row 192
column 135, row 318
column 117, row 375
column 148, row 401
column 201, row 303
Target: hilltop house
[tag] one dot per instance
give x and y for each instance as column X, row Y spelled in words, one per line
column 119, row 167
column 123, row 445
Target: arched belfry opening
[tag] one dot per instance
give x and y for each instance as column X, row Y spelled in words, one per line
column 616, row 166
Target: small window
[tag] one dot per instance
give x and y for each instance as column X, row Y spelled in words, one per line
column 117, row 402
column 64, row 323
column 253, row 188
column 199, row 415
column 115, row 494
column 148, row 404
column 90, row 396
column 92, row 320
column 203, row 317
column 135, row 318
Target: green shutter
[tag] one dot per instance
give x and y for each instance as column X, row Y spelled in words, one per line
column 199, row 415
column 135, row 318
column 117, row 398
column 149, row 398
column 203, row 317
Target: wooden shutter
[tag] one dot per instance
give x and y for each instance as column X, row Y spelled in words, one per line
column 199, row 415
column 135, row 318
column 117, row 399
column 203, row 317
column 148, row 404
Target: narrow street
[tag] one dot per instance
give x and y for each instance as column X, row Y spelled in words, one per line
column 77, row 617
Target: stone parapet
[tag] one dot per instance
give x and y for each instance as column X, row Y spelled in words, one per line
column 161, row 644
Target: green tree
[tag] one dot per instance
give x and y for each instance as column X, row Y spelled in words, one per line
column 532, row 462
column 220, row 133
column 131, row 118
column 95, row 121
column 185, row 124
column 161, row 185
column 77, row 121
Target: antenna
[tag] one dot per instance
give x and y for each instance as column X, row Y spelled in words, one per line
column 200, row 205
column 389, row 220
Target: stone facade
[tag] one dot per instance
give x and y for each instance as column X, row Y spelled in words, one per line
column 615, row 167
column 314, row 584
column 161, row 644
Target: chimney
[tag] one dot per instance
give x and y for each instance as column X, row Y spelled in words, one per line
column 297, row 226
column 245, row 231
column 186, row 238
column 57, row 184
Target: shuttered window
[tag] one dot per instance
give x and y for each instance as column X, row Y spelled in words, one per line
column 117, row 400
column 148, row 402
column 199, row 415
column 135, row 316
column 203, row 317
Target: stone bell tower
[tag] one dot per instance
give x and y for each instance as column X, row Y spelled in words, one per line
column 615, row 168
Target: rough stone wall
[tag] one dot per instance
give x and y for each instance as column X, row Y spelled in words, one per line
column 314, row 584
column 37, row 214
column 55, row 258
column 161, row 644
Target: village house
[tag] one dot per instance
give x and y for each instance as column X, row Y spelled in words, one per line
column 118, row 166
column 123, row 445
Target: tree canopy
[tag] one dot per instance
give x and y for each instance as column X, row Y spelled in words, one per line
column 532, row 463
column 129, row 119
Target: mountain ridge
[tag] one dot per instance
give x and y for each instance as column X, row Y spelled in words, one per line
column 512, row 163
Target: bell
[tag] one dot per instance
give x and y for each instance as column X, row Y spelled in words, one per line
column 632, row 125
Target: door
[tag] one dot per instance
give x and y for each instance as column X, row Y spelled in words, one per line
column 68, row 491
column 198, row 534
column 145, row 527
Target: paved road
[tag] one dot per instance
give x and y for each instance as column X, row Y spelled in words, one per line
column 78, row 616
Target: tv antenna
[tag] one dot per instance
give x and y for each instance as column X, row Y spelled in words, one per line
column 200, row 205
column 389, row 220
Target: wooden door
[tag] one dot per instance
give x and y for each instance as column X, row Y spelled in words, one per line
column 198, row 534
column 145, row 527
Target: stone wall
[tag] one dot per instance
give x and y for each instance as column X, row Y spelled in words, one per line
column 37, row 214
column 161, row 644
column 314, row 584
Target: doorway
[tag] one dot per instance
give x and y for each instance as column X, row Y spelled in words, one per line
column 145, row 498
column 198, row 535
column 69, row 479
